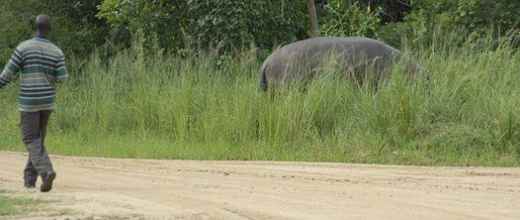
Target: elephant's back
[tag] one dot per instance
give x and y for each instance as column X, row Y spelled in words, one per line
column 296, row 60
column 321, row 45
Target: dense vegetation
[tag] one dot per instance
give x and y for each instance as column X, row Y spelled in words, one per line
column 81, row 25
column 207, row 107
column 178, row 79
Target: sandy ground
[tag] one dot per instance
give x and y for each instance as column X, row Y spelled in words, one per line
column 93, row 188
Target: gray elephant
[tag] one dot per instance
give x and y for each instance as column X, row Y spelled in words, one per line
column 356, row 57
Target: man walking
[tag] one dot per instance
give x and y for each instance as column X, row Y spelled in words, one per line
column 39, row 65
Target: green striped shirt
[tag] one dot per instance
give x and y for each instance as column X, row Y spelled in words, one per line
column 39, row 64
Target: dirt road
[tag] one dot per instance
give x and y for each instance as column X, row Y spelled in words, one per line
column 92, row 188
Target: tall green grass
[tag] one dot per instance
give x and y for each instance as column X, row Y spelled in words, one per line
column 201, row 106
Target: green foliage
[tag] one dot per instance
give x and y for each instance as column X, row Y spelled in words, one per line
column 471, row 14
column 75, row 27
column 160, row 20
column 196, row 105
column 390, row 11
column 208, row 23
column 81, row 25
column 17, row 29
column 343, row 19
column 208, row 107
column 236, row 23
column 468, row 17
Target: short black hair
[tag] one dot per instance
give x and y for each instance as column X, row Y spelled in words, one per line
column 43, row 23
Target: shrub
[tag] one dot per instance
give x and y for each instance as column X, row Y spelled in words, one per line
column 344, row 19
column 221, row 24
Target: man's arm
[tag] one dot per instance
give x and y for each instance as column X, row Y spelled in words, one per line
column 61, row 72
column 11, row 69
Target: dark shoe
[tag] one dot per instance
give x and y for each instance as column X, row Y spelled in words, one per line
column 30, row 185
column 47, row 180
column 30, row 181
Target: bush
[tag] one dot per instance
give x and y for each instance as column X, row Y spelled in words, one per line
column 467, row 17
column 161, row 21
column 221, row 24
column 75, row 27
column 342, row 19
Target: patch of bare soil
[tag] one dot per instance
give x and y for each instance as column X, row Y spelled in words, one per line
column 94, row 188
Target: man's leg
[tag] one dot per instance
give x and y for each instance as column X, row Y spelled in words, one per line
column 28, row 124
column 44, row 121
column 30, row 175
column 32, row 137
column 51, row 175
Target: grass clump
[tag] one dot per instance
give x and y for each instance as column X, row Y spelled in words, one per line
column 11, row 206
column 207, row 107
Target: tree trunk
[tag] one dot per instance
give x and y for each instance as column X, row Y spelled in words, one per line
column 315, row 29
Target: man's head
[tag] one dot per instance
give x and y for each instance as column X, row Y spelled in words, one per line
column 43, row 25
